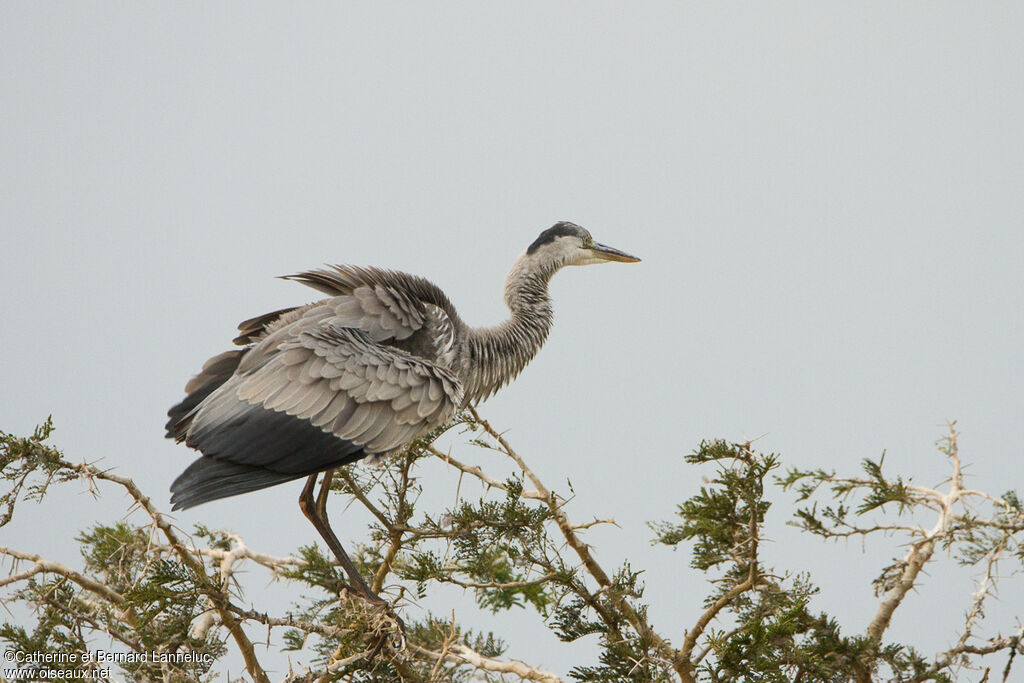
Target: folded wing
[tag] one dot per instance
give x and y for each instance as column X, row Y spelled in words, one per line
column 319, row 389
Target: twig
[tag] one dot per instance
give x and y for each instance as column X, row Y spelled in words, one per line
column 474, row 470
column 42, row 566
column 596, row 522
column 322, row 629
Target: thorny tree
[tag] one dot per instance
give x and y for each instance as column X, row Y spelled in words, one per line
column 148, row 587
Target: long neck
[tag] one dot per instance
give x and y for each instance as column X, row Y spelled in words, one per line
column 499, row 353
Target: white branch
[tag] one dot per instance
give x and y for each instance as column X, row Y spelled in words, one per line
column 459, row 653
column 42, row 566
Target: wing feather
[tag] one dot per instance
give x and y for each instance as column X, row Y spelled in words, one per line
column 318, row 387
column 331, row 411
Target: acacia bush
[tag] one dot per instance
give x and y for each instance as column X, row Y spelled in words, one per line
column 170, row 603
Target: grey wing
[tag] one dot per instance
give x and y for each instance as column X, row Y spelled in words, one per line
column 215, row 372
column 314, row 394
column 364, row 299
column 254, row 329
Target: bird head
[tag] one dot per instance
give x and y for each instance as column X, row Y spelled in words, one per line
column 568, row 244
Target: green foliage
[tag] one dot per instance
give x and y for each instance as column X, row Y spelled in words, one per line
column 772, row 633
column 875, row 491
column 490, row 541
column 22, row 462
column 723, row 517
column 627, row 654
column 159, row 600
column 142, row 590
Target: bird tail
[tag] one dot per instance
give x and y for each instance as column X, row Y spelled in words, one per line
column 208, row 479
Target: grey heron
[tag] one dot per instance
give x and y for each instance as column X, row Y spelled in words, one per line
column 382, row 360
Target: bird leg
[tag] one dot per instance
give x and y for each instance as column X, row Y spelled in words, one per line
column 390, row 628
column 316, row 512
column 321, row 496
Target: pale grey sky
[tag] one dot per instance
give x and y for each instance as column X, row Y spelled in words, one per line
column 827, row 198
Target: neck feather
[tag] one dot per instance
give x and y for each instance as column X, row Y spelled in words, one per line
column 499, row 353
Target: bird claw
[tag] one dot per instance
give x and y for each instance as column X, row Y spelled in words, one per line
column 388, row 634
column 384, row 628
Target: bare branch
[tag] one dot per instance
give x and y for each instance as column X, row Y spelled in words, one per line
column 356, row 491
column 42, row 566
column 474, row 470
column 854, row 530
column 595, row 522
column 241, row 551
column 921, row 552
column 463, row 654
column 289, row 622
column 915, row 560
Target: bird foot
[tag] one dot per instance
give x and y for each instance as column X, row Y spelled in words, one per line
column 383, row 628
